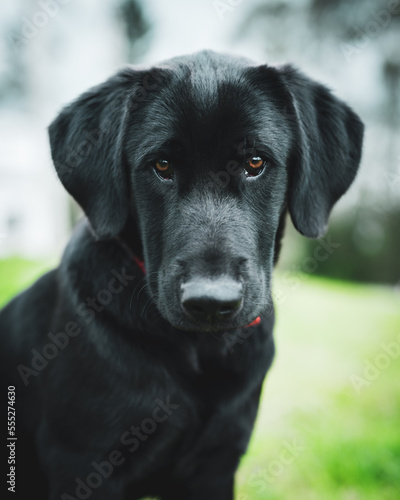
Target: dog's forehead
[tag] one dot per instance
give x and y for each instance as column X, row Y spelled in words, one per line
column 213, row 85
column 211, row 88
column 209, row 101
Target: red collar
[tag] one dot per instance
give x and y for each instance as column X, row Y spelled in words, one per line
column 140, row 264
column 255, row 322
column 135, row 258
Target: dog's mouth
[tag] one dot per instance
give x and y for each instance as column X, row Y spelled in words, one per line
column 211, row 301
column 211, row 306
column 216, row 328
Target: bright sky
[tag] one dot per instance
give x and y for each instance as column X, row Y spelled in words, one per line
column 188, row 26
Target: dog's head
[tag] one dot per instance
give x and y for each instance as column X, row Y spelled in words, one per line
column 196, row 161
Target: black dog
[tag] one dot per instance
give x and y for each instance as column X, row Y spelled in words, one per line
column 138, row 363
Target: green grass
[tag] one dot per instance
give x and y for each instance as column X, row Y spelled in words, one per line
column 16, row 274
column 348, row 437
column 347, row 441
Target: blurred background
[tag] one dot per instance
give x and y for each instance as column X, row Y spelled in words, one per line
column 333, row 396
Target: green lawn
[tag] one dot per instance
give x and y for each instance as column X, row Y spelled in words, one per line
column 17, row 273
column 326, row 430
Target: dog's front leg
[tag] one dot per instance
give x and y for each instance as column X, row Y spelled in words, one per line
column 63, row 487
column 204, row 488
column 73, row 477
column 79, row 475
column 211, row 479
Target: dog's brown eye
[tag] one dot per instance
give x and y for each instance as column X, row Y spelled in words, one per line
column 164, row 169
column 254, row 166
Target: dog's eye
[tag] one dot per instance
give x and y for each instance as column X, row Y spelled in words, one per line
column 254, row 166
column 164, row 169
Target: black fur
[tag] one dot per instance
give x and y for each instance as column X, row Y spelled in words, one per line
column 134, row 345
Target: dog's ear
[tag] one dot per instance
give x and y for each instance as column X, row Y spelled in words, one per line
column 327, row 152
column 86, row 147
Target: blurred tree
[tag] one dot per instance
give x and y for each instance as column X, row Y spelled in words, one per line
column 13, row 80
column 136, row 27
column 370, row 236
column 361, row 35
column 369, row 249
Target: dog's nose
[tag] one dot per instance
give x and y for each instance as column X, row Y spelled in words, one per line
column 211, row 301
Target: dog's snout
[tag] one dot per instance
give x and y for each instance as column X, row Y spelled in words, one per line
column 211, row 301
